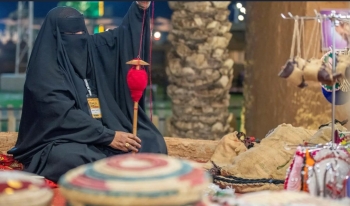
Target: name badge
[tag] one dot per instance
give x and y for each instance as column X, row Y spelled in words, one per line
column 95, row 107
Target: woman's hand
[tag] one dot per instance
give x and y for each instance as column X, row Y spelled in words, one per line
column 126, row 142
column 143, row 4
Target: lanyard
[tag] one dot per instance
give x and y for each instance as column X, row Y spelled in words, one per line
column 88, row 87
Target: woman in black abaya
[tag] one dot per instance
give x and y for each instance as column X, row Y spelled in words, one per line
column 67, row 68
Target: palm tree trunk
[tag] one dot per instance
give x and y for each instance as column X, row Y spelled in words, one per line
column 199, row 70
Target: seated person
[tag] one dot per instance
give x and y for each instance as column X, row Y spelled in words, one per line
column 68, row 69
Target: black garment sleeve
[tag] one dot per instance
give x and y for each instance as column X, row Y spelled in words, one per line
column 71, row 124
column 130, row 26
column 120, row 45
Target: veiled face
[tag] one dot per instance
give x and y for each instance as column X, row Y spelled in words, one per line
column 70, row 20
column 74, row 36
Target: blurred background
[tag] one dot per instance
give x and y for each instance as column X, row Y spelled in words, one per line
column 21, row 21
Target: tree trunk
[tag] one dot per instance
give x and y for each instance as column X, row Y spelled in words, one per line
column 199, row 70
column 270, row 100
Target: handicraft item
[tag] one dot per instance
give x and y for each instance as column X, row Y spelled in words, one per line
column 137, row 77
column 135, row 179
column 23, row 189
column 342, row 87
column 323, row 169
column 320, row 170
column 263, row 166
column 299, row 71
column 285, row 198
column 292, row 70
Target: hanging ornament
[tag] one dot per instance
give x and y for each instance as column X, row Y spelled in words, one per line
column 341, row 93
column 292, row 70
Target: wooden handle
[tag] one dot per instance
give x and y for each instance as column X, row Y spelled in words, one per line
column 134, row 125
column 136, row 109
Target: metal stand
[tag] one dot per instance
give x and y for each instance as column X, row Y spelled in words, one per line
column 20, row 31
column 333, row 17
column 20, row 36
column 14, row 82
column 30, row 28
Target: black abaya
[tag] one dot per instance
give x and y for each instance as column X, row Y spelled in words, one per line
column 57, row 131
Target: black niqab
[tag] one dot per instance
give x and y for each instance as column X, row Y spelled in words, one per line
column 70, row 22
column 56, row 120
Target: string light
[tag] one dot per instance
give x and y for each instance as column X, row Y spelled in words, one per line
column 157, row 35
column 242, row 10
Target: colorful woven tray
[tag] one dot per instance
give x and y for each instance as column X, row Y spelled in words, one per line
column 22, row 189
column 140, row 179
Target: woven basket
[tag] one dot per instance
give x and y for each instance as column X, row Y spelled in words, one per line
column 7, row 141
